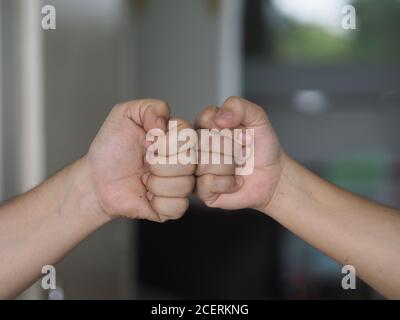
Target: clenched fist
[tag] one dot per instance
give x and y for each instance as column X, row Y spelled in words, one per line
column 218, row 185
column 124, row 184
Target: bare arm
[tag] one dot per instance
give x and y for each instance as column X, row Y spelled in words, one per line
column 40, row 227
column 346, row 227
column 112, row 180
column 349, row 228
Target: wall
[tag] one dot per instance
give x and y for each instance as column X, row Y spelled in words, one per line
column 103, row 52
column 89, row 67
column 188, row 52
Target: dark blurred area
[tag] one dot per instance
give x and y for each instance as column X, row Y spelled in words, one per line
column 333, row 96
column 211, row 254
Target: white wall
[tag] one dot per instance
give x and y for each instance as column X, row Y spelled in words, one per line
column 1, row 106
column 229, row 48
column 22, row 101
column 89, row 68
column 189, row 52
column 22, row 130
column 59, row 86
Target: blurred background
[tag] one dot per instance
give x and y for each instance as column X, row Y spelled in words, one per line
column 332, row 94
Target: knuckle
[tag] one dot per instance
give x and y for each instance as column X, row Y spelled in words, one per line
column 215, row 169
column 206, row 116
column 156, row 102
column 191, row 168
column 180, row 208
column 185, row 206
column 164, row 105
column 209, row 111
column 209, row 181
column 170, row 208
column 151, row 185
column 202, row 184
column 188, row 184
column 233, row 100
column 181, row 123
column 119, row 107
column 163, row 219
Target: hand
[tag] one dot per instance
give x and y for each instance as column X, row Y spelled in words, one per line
column 217, row 185
column 123, row 183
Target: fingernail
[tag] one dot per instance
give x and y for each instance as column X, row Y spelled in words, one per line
column 224, row 114
column 149, row 196
column 239, row 181
column 145, row 177
column 162, row 123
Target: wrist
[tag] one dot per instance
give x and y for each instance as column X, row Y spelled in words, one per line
column 283, row 186
column 80, row 193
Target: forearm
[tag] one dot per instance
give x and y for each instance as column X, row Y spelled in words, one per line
column 41, row 226
column 350, row 229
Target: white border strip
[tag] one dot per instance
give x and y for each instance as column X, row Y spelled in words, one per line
column 32, row 138
column 1, row 108
column 230, row 49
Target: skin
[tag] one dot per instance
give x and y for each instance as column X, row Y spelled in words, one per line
column 349, row 228
column 112, row 180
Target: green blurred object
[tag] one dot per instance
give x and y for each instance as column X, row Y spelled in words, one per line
column 310, row 43
column 363, row 173
column 375, row 39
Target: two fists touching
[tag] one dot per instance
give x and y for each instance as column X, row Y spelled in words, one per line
column 125, row 184
column 114, row 179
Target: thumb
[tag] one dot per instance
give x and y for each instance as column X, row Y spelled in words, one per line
column 237, row 112
column 148, row 113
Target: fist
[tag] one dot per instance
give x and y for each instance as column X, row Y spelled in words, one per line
column 123, row 182
column 219, row 185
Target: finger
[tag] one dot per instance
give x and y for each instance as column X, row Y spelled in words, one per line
column 237, row 111
column 166, row 168
column 223, row 141
column 215, row 163
column 205, row 119
column 148, row 113
column 178, row 187
column 209, row 186
column 179, row 137
column 208, row 130
column 169, row 208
